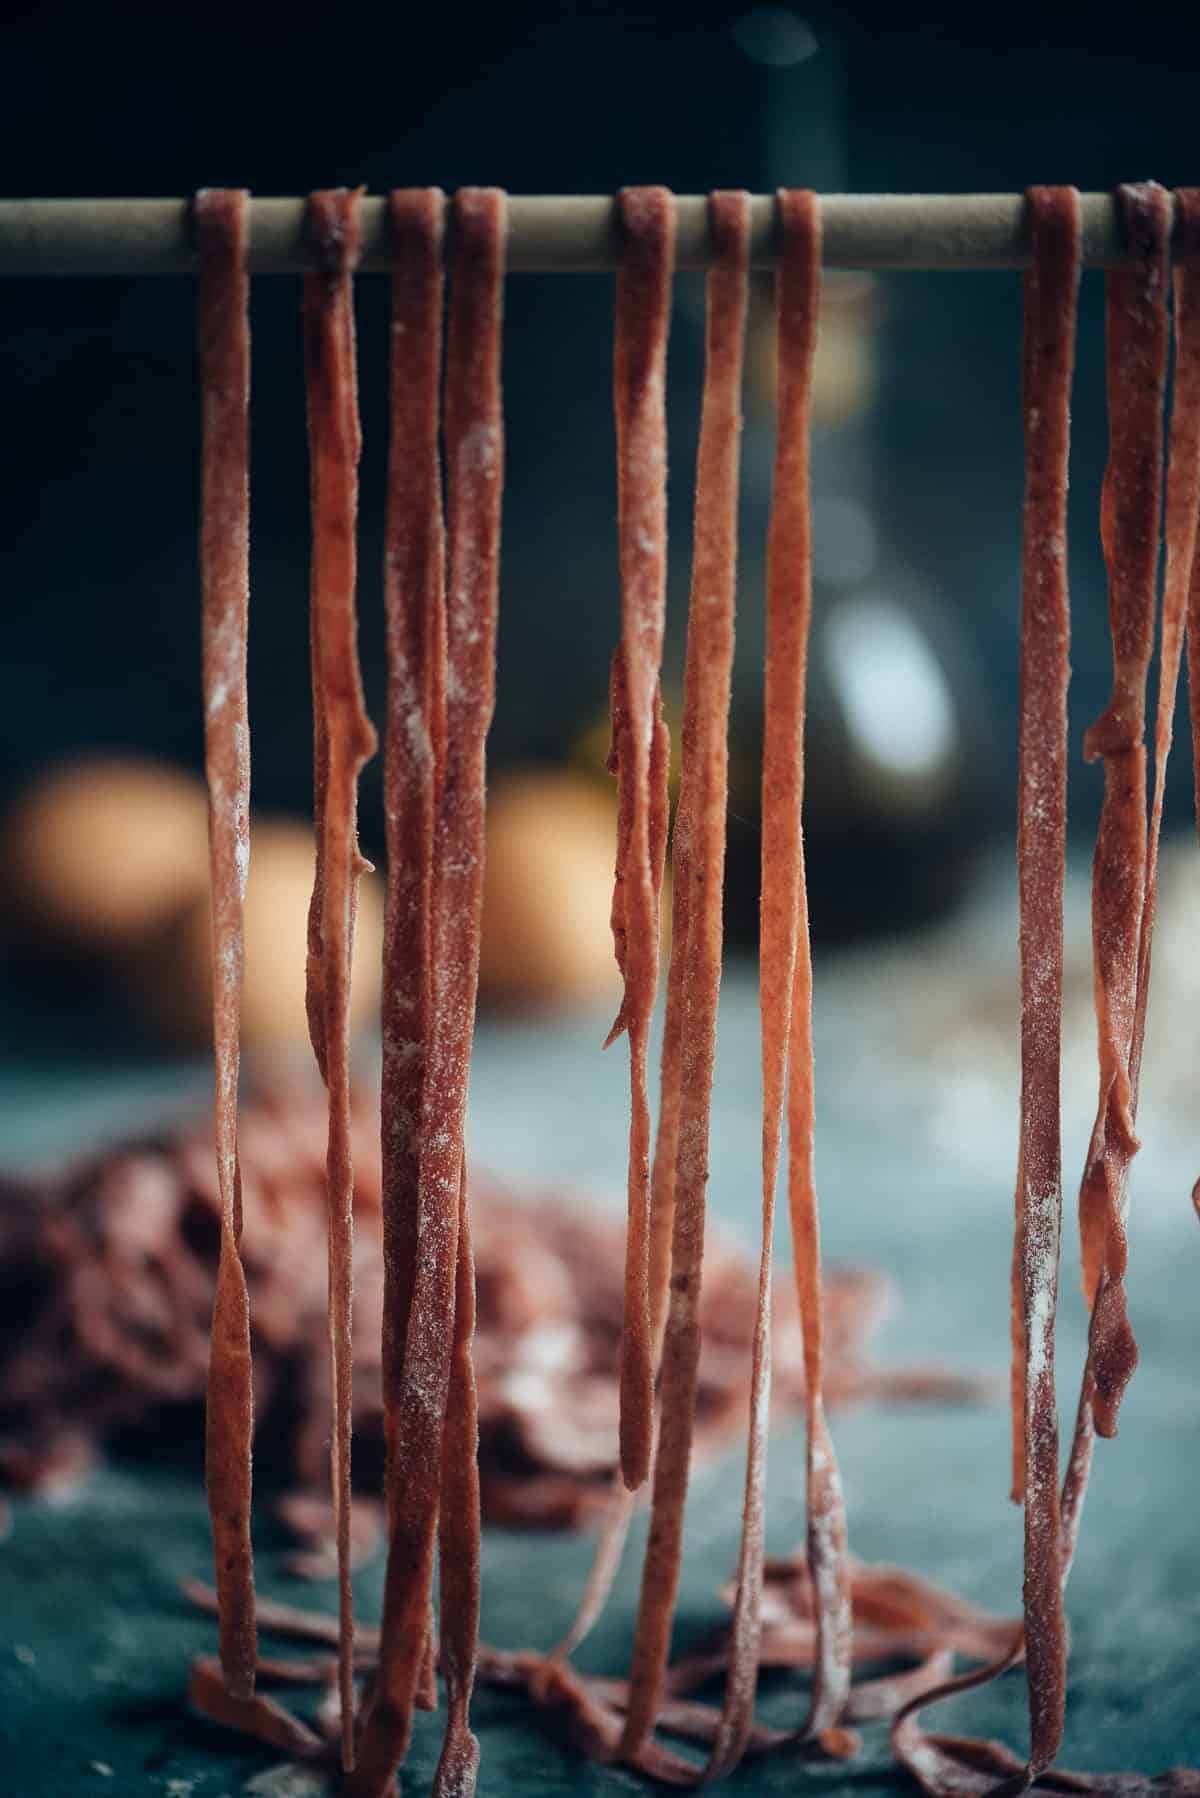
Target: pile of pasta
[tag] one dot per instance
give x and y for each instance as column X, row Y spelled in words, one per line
column 820, row 1610
column 114, row 1257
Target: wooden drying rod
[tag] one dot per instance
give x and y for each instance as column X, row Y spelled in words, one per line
column 548, row 234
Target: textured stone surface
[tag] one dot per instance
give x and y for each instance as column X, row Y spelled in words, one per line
column 95, row 1641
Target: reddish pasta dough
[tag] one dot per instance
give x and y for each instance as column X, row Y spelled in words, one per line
column 1137, row 311
column 687, row 1056
column 1180, row 531
column 221, row 235
column 256, row 1715
column 698, row 871
column 817, row 1609
column 898, row 1617
column 1123, row 897
column 1137, row 364
column 474, row 460
column 344, row 741
column 1183, row 565
column 619, row 1509
column 666, row 1147
column 639, row 390
column 789, row 601
column 1051, row 290
column 414, row 598
column 966, row 1767
column 458, row 1564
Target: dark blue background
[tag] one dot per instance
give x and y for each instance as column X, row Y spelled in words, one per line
column 99, row 474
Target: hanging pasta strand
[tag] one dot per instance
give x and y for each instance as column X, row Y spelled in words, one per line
column 639, row 386
column 344, row 741
column 1037, row 760
column 1138, row 320
column 1125, row 881
column 666, row 1140
column 1185, row 416
column 474, row 448
column 1125, row 873
column 1051, row 293
column 698, row 870
column 614, row 1529
column 1180, row 530
column 414, row 602
column 789, row 605
column 1181, row 601
column 222, row 231
column 619, row 1512
column 441, row 621
column 698, row 867
column 1137, row 364
column 458, row 1559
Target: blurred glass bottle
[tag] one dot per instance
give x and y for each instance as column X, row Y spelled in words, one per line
column 897, row 795
column 897, row 789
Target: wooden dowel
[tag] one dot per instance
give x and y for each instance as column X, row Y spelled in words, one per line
column 549, row 234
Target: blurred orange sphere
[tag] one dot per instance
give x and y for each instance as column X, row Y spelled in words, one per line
column 101, row 851
column 109, row 856
column 548, row 883
column 174, row 971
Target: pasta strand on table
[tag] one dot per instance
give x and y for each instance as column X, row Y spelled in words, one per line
column 222, row 234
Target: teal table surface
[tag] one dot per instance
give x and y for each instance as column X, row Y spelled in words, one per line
column 915, row 1166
